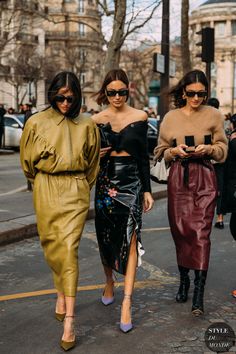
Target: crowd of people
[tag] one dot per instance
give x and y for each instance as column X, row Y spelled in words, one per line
column 64, row 153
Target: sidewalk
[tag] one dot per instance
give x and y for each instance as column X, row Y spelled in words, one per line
column 15, row 228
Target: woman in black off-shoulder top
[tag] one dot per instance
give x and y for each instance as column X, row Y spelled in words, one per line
column 123, row 188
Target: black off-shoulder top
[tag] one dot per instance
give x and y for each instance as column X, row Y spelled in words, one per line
column 132, row 139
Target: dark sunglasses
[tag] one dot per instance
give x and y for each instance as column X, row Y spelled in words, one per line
column 198, row 93
column 113, row 93
column 62, row 98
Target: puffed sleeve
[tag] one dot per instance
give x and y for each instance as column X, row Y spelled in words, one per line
column 219, row 140
column 93, row 155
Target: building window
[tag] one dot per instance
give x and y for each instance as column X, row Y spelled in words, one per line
column 82, row 55
column 81, row 6
column 233, row 24
column 220, row 29
column 81, row 29
column 82, row 78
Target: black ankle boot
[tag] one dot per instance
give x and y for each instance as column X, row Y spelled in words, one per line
column 198, row 295
column 182, row 294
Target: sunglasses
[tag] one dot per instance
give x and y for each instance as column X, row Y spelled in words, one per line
column 113, row 93
column 198, row 93
column 62, row 98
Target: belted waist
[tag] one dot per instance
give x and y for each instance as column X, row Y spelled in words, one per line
column 186, row 161
column 75, row 174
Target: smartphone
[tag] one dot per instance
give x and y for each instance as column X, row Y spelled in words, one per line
column 190, row 149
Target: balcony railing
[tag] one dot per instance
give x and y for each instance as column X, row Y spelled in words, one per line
column 87, row 36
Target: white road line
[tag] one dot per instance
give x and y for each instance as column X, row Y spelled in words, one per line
column 20, row 189
column 155, row 229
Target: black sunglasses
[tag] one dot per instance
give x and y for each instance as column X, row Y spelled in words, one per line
column 62, row 98
column 198, row 93
column 113, row 93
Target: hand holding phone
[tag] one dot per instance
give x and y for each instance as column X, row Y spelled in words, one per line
column 190, row 149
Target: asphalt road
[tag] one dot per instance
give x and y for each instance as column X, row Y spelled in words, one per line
column 161, row 326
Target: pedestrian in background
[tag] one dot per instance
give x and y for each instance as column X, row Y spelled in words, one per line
column 2, row 112
column 219, row 170
column 123, row 188
column 190, row 136
column 60, row 155
column 229, row 198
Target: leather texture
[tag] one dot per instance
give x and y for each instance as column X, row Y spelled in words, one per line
column 61, row 157
column 118, row 217
column 191, row 206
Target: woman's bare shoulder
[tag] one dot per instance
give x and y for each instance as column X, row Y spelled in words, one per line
column 100, row 117
column 139, row 114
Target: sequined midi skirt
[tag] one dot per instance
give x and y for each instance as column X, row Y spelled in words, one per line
column 119, row 216
column 191, row 206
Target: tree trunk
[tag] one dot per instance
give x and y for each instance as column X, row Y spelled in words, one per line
column 113, row 51
column 185, row 53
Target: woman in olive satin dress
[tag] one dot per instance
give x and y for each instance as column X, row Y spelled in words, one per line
column 60, row 156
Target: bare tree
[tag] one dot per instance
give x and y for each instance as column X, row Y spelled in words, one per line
column 185, row 52
column 123, row 26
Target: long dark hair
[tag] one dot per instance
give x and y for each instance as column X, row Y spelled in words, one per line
column 112, row 75
column 69, row 80
column 190, row 78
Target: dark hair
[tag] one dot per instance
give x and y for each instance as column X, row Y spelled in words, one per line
column 190, row 78
column 69, row 80
column 112, row 75
column 213, row 102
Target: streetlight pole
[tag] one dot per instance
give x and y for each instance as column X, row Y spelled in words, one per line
column 165, row 50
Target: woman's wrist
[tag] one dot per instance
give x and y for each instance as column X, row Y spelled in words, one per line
column 210, row 150
column 172, row 152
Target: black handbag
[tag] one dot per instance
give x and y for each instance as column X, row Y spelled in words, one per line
column 105, row 132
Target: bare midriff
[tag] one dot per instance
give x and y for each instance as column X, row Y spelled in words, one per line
column 120, row 153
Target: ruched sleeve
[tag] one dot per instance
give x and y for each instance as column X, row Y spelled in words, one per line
column 93, row 149
column 37, row 154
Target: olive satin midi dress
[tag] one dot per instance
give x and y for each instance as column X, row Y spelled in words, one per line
column 60, row 156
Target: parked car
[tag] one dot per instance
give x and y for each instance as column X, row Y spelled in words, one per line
column 152, row 134
column 13, row 126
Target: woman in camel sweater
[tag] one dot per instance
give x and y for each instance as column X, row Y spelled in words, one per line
column 190, row 136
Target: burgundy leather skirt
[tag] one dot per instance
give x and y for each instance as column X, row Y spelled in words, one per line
column 192, row 192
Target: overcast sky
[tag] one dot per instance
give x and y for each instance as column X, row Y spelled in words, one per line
column 152, row 30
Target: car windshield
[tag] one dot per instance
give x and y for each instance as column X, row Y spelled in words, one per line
column 153, row 121
column 20, row 117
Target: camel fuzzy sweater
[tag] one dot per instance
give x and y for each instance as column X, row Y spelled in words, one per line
column 203, row 126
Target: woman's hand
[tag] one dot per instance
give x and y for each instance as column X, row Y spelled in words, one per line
column 203, row 150
column 104, row 151
column 147, row 201
column 179, row 151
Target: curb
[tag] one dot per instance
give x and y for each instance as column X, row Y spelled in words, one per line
column 6, row 152
column 28, row 231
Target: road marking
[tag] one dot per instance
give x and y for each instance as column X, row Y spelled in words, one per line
column 157, row 277
column 20, row 189
column 137, row 285
column 155, row 229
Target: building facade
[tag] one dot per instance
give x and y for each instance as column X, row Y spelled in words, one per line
column 42, row 38
column 220, row 15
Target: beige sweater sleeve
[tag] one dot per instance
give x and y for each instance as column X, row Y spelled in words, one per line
column 164, row 141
